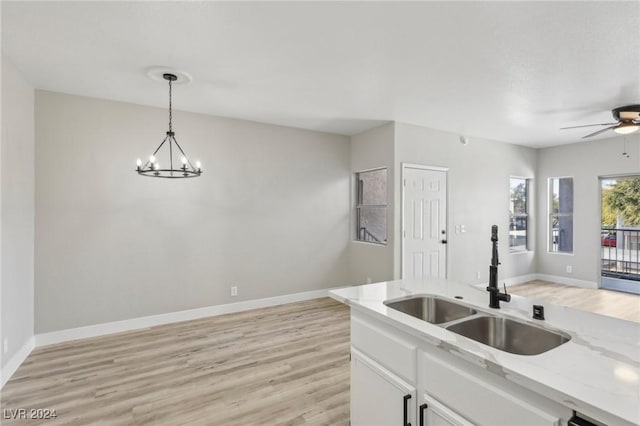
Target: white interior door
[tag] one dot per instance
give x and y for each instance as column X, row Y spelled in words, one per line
column 424, row 249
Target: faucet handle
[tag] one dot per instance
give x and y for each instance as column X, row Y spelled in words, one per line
column 506, row 296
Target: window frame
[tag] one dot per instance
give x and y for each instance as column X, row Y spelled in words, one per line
column 358, row 205
column 551, row 215
column 526, row 215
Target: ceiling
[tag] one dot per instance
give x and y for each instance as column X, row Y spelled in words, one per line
column 508, row 71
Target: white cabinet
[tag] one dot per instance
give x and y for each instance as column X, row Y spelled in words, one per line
column 379, row 397
column 393, row 373
column 433, row 413
column 384, row 345
column 483, row 397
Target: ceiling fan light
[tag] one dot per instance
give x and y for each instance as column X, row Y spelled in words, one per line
column 625, row 129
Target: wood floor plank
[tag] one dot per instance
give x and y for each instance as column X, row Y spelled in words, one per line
column 287, row 364
column 283, row 365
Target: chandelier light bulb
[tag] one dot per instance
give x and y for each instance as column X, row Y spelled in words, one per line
column 151, row 167
column 138, row 162
column 198, row 165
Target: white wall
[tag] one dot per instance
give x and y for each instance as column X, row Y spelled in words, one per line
column 478, row 197
column 585, row 162
column 369, row 150
column 269, row 214
column 17, row 212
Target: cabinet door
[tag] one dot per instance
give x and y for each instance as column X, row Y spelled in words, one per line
column 433, row 413
column 379, row 397
column 483, row 397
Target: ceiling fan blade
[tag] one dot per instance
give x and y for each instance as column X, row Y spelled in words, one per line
column 587, row 125
column 600, row 131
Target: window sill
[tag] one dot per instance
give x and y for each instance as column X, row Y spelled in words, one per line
column 521, row 252
column 371, row 243
column 560, row 253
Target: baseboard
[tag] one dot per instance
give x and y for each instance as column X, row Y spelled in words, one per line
column 567, row 281
column 153, row 320
column 510, row 281
column 543, row 277
column 519, row 279
column 16, row 360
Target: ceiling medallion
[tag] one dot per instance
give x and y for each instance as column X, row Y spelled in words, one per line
column 152, row 167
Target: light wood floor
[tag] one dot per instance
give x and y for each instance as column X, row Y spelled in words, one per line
column 287, row 364
column 606, row 302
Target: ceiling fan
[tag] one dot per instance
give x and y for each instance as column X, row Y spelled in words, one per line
column 628, row 121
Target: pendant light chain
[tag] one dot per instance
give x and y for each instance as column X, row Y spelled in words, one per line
column 170, row 115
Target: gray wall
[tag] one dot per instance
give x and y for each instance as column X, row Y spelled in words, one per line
column 369, row 150
column 17, row 212
column 270, row 214
column 478, row 197
column 586, row 162
column 478, row 191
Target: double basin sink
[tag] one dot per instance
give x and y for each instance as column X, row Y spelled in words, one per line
column 498, row 332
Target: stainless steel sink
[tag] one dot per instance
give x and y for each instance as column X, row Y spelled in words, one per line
column 508, row 335
column 431, row 309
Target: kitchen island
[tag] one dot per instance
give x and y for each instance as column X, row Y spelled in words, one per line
column 421, row 373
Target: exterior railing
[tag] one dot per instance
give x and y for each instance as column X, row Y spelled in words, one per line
column 555, row 239
column 366, row 235
column 620, row 253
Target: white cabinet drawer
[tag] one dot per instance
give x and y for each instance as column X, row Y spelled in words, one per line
column 473, row 397
column 433, row 413
column 394, row 353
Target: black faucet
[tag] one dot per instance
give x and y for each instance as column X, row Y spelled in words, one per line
column 494, row 292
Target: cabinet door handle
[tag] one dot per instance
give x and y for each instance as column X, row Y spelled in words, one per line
column 406, row 410
column 423, row 408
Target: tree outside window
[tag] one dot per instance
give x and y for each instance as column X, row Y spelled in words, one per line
column 519, row 214
column 561, row 215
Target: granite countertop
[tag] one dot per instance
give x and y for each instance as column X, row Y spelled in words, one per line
column 596, row 373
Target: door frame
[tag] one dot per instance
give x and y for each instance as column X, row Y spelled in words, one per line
column 403, row 167
column 622, row 287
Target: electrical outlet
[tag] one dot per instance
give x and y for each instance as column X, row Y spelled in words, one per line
column 234, row 291
column 368, row 280
column 569, row 269
column 477, row 275
column 5, row 346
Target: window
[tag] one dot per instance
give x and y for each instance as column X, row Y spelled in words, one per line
column 371, row 206
column 519, row 214
column 561, row 215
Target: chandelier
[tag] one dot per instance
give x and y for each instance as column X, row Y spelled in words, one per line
column 176, row 156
